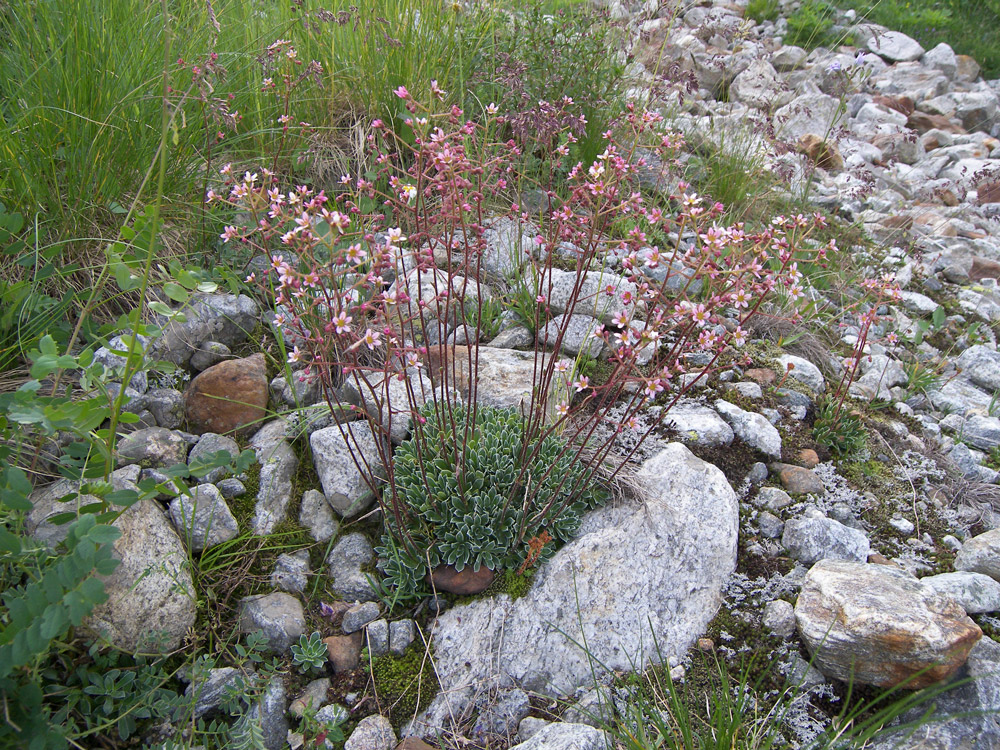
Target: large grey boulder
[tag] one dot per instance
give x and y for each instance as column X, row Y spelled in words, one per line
column 226, row 318
column 878, row 625
column 590, row 296
column 981, row 554
column 151, row 598
column 638, row 585
column 342, row 455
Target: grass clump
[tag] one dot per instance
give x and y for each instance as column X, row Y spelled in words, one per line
column 762, row 10
column 812, row 26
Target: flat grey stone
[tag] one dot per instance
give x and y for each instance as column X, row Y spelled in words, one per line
column 809, row 540
column 976, row 592
column 278, row 616
column 203, row 519
column 344, row 562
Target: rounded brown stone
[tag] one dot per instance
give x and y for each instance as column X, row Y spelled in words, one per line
column 706, row 644
column 762, row 375
column 228, row 397
column 808, row 458
column 414, row 743
column 343, row 651
column 799, row 481
column 446, row 578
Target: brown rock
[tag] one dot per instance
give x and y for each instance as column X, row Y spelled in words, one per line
column 824, row 154
column 808, row 458
column 761, row 375
column 983, row 268
column 988, row 191
column 903, row 104
column 228, row 397
column 344, row 651
column 414, row 743
column 877, row 558
column 799, row 481
column 967, row 69
column 706, row 644
column 877, row 625
column 446, row 578
column 924, row 121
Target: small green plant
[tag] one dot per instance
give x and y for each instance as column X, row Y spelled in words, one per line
column 811, row 26
column 920, row 378
column 761, row 10
column 310, row 652
column 840, row 431
column 479, row 499
column 935, row 324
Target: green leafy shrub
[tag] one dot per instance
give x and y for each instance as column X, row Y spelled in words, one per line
column 478, row 499
column 840, row 431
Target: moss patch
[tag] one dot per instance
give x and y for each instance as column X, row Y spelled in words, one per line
column 403, row 685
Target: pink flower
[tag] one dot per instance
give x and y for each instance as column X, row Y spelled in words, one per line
column 342, row 322
column 402, row 93
column 372, row 338
column 229, row 233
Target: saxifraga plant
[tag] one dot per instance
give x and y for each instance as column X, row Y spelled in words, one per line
column 466, row 496
column 369, row 301
column 310, row 652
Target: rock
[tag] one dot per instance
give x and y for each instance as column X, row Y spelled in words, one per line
column 773, row 498
column 916, row 302
column 372, row 733
column 595, row 709
column 231, row 488
column 698, row 424
column 316, row 515
column 279, row 616
column 804, row 372
column 634, row 576
column 942, row 57
column 967, row 69
column 981, row 365
column 228, row 397
column 895, row 46
column 759, row 86
column 809, row 113
column 981, row 554
column 779, row 618
column 752, row 428
column 770, row 525
column 302, row 390
column 377, row 637
column 151, row 598
column 808, row 458
column 270, row 712
column 976, row 592
column 981, row 432
column 577, row 336
column 964, row 716
column 401, row 634
column 561, row 736
column 115, row 363
column 809, row 540
column 801, row 674
column 208, row 693
column 590, row 298
column 799, row 481
column 788, row 57
column 46, row 503
column 389, row 404
column 203, row 519
column 291, row 571
column 153, row 447
column 278, row 464
column 823, row 153
column 313, row 696
column 358, row 616
column 335, row 450
column 528, row 728
column 879, row 626
column 465, row 582
column 225, row 318
column 343, row 652
column 167, row 407
column 205, row 448
column 209, row 353
column 345, row 561
column 502, row 714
